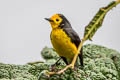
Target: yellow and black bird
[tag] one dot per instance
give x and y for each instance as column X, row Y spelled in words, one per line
column 64, row 39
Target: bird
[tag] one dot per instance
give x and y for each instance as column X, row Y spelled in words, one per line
column 64, row 39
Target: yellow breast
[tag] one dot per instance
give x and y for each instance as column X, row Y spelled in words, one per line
column 62, row 44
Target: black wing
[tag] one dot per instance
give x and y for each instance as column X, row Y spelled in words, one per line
column 73, row 36
column 75, row 39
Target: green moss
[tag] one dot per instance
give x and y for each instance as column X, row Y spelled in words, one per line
column 100, row 63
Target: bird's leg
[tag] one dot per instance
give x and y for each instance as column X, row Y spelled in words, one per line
column 65, row 60
column 53, row 66
column 68, row 66
column 57, row 62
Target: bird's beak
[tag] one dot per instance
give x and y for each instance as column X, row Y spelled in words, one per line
column 48, row 19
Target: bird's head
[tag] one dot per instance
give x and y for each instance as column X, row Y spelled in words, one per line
column 58, row 21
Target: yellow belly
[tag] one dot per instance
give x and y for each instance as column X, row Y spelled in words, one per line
column 62, row 44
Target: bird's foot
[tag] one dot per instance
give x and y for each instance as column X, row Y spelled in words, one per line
column 61, row 71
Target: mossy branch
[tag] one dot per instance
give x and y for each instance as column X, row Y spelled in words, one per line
column 101, row 63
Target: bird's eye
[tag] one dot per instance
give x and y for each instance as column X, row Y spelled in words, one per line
column 57, row 19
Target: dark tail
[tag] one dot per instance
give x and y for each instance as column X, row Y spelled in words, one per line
column 81, row 57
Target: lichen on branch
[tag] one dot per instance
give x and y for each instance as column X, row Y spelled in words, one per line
column 100, row 63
